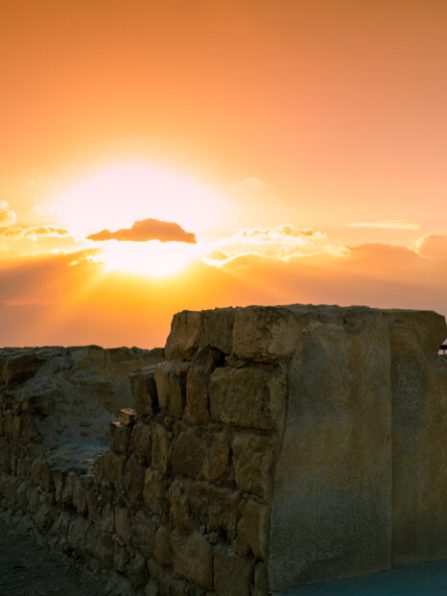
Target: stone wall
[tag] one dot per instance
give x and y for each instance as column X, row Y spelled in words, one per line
column 273, row 446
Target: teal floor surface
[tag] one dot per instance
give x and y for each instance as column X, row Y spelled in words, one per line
column 427, row 579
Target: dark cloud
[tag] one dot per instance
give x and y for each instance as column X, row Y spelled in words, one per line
column 148, row 229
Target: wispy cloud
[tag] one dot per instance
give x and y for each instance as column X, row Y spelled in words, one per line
column 253, row 183
column 433, row 246
column 388, row 224
column 33, row 232
column 282, row 242
column 7, row 216
column 146, row 230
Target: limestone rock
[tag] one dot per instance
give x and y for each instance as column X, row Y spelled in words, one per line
column 154, row 491
column 21, row 367
column 162, row 548
column 170, row 380
column 253, row 464
column 197, row 406
column 192, row 558
column 253, row 528
column 144, row 391
column 200, row 456
column 160, row 448
column 141, row 442
column 249, row 397
column 232, row 574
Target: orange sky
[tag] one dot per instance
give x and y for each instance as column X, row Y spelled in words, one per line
column 265, row 151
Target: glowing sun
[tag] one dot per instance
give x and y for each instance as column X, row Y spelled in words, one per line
column 118, row 195
column 115, row 197
column 151, row 259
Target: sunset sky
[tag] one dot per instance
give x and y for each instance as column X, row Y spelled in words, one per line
column 161, row 155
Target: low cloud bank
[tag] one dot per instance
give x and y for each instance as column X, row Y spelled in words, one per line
column 70, row 299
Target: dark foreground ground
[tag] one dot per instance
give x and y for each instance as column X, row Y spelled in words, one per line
column 27, row 569
column 428, row 579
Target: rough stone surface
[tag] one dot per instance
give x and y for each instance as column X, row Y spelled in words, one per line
column 192, row 558
column 250, row 397
column 274, row 447
column 232, row 574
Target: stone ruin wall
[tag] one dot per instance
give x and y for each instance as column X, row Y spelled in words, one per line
column 273, row 446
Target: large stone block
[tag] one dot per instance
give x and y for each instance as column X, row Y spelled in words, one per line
column 253, row 528
column 144, row 391
column 191, row 331
column 253, row 460
column 251, row 397
column 155, row 491
column 160, row 448
column 200, row 455
column 197, row 404
column 192, row 558
column 133, row 479
column 141, row 442
column 170, row 380
column 265, row 334
column 232, row 573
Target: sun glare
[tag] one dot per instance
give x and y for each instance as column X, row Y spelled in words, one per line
column 152, row 259
column 117, row 196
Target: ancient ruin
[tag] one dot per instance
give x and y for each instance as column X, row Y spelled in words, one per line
column 267, row 447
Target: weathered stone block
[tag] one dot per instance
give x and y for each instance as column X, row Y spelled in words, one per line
column 183, row 340
column 143, row 534
column 253, row 464
column 12, row 425
column 253, row 528
column 41, row 475
column 141, row 442
column 265, row 334
column 179, row 508
column 160, row 449
column 120, row 435
column 197, row 406
column 249, row 397
column 123, row 525
column 162, row 546
column 198, row 494
column 120, row 557
column 128, row 416
column 200, row 455
column 79, row 537
column 133, row 479
column 136, row 570
column 109, row 467
column 144, row 391
column 192, row 558
column 155, row 490
column 222, row 509
column 232, row 574
column 170, row 380
column 103, row 549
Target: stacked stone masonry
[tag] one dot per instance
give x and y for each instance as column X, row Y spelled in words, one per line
column 272, row 446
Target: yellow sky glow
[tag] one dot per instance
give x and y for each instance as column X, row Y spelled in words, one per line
column 157, row 156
